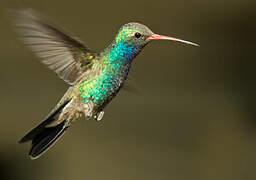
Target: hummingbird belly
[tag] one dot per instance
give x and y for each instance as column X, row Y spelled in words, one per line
column 97, row 92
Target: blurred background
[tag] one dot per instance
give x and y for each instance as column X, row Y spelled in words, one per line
column 194, row 118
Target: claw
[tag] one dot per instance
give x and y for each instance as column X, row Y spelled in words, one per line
column 99, row 116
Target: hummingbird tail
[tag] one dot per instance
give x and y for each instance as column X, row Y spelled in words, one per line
column 43, row 141
column 44, row 137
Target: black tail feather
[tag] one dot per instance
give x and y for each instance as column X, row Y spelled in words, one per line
column 43, row 137
column 42, row 141
column 41, row 127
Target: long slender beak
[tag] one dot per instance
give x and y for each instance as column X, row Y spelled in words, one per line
column 161, row 37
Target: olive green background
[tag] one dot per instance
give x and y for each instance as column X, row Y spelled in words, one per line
column 193, row 119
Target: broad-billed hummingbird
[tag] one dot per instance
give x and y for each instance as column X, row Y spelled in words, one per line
column 94, row 77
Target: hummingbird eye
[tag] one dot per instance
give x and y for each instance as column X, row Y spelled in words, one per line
column 137, row 35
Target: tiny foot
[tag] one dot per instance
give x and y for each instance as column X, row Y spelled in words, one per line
column 99, row 116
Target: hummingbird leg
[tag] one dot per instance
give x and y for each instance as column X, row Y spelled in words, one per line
column 99, row 116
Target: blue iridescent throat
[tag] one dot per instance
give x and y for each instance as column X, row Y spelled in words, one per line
column 122, row 51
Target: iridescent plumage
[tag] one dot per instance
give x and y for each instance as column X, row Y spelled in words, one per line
column 112, row 66
column 95, row 77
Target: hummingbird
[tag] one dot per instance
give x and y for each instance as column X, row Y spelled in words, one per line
column 94, row 77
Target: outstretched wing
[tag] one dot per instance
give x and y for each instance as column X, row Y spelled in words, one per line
column 64, row 54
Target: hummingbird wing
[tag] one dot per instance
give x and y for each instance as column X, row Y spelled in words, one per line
column 131, row 86
column 64, row 54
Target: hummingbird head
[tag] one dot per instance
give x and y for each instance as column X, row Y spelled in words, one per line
column 131, row 39
column 133, row 34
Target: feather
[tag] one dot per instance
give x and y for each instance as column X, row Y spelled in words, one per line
column 64, row 54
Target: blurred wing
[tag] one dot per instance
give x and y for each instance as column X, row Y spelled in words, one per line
column 67, row 56
column 131, row 86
